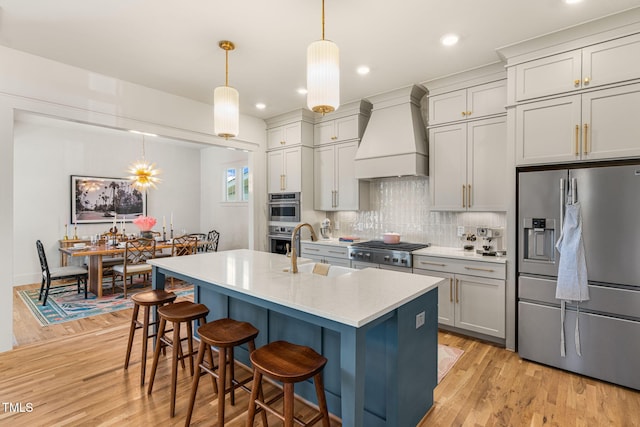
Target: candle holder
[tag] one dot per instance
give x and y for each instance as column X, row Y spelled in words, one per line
column 66, row 237
column 75, row 232
column 164, row 234
column 172, row 233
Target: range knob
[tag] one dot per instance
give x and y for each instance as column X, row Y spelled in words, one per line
column 387, row 258
column 360, row 254
column 367, row 255
column 403, row 261
column 395, row 260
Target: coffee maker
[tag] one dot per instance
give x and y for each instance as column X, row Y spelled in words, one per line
column 491, row 241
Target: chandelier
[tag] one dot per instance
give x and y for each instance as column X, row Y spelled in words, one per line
column 226, row 112
column 323, row 74
column 143, row 174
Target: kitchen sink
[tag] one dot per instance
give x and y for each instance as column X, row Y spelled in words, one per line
column 334, row 270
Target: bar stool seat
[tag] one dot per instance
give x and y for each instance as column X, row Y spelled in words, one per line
column 181, row 312
column 225, row 334
column 154, row 298
column 288, row 363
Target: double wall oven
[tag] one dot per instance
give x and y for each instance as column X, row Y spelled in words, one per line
column 284, row 207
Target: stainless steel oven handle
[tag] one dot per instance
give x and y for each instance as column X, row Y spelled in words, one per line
column 562, row 200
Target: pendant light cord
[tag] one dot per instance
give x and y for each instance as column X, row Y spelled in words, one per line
column 226, row 67
column 322, row 19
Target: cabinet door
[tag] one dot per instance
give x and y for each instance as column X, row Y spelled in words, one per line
column 275, row 138
column 446, row 302
column 611, row 62
column 548, row 76
column 323, row 178
column 346, row 128
column 293, row 134
column 293, row 169
column 487, row 99
column 448, row 107
column 448, row 167
column 487, row 165
column 548, row 131
column 610, row 123
column 347, row 185
column 324, row 133
column 275, row 168
column 338, row 261
column 480, row 305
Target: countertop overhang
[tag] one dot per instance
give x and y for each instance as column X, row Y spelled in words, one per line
column 354, row 299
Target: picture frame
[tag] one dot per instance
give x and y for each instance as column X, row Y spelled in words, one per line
column 97, row 199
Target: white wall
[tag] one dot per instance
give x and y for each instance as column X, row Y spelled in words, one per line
column 30, row 83
column 47, row 152
column 230, row 219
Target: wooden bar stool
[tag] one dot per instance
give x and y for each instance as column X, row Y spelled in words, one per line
column 155, row 298
column 288, row 363
column 225, row 334
column 178, row 313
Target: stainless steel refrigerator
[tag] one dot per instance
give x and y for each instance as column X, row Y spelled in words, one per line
column 609, row 197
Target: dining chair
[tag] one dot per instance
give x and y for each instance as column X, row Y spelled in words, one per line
column 136, row 254
column 183, row 245
column 213, row 237
column 58, row 273
column 201, row 238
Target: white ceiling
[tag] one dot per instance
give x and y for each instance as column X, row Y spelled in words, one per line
column 173, row 46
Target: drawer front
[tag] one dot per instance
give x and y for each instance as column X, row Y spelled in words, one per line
column 324, row 250
column 456, row 266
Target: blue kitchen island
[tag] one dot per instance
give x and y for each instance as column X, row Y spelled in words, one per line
column 378, row 328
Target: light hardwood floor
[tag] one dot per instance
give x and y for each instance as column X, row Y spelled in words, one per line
column 72, row 375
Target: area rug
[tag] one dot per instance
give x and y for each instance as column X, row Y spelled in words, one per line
column 447, row 357
column 65, row 304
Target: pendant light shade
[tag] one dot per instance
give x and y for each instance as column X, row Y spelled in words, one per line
column 323, row 74
column 226, row 100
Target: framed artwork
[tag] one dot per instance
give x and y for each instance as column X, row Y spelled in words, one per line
column 97, row 199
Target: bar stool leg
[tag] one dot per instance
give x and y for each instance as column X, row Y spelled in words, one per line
column 232, row 372
column 145, row 339
column 174, row 367
column 132, row 331
column 257, row 385
column 156, row 354
column 288, row 404
column 222, row 383
column 322, row 399
column 190, row 346
column 194, row 384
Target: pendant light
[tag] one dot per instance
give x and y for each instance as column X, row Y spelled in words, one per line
column 323, row 74
column 226, row 111
column 143, row 173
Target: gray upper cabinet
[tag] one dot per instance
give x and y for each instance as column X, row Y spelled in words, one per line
column 470, row 103
column 592, row 66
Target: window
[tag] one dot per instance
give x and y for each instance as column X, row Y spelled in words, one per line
column 237, row 184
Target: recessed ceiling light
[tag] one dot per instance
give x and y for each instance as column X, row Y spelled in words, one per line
column 572, row 1
column 449, row 39
column 260, row 106
column 363, row 70
column 302, row 91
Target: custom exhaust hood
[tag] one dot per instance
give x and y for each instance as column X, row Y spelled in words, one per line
column 394, row 142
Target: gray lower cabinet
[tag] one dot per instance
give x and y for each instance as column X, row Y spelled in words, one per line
column 472, row 298
column 325, row 253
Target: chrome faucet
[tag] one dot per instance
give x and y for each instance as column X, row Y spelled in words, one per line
column 294, row 235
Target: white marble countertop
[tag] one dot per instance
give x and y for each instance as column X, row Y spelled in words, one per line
column 354, row 299
column 459, row 253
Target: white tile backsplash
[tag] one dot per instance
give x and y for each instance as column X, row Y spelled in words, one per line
column 402, row 205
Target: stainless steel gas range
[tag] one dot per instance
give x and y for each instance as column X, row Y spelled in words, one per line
column 377, row 254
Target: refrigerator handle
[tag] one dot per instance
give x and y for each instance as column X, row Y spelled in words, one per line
column 574, row 191
column 562, row 201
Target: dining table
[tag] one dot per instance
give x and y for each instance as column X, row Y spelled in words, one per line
column 94, row 253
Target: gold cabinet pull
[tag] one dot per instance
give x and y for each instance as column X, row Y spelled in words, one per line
column 282, row 142
column 469, row 195
column 464, row 113
column 585, row 137
column 488, row 270
column 450, row 289
column 457, row 296
column 334, row 137
column 576, row 83
column 432, row 263
column 468, row 113
column 587, row 80
column 463, row 195
column 577, row 139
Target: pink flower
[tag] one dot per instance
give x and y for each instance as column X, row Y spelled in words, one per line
column 145, row 223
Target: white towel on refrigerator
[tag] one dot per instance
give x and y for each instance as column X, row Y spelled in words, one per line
column 572, row 284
